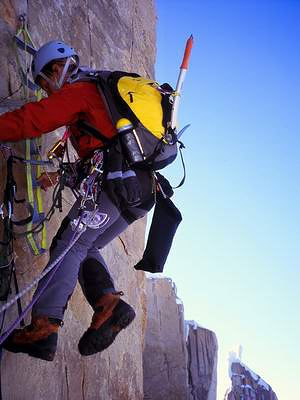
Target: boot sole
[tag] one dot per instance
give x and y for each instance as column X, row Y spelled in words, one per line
column 95, row 341
column 36, row 350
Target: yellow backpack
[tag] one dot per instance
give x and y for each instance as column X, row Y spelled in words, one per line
column 147, row 105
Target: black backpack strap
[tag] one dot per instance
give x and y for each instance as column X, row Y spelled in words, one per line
column 86, row 127
column 181, row 146
column 166, row 104
column 116, row 106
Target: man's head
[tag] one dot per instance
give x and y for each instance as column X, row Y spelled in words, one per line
column 52, row 64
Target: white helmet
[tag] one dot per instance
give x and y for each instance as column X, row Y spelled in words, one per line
column 50, row 51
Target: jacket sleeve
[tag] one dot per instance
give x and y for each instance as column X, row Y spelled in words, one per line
column 34, row 119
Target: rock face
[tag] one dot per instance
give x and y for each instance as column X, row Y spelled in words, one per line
column 113, row 35
column 202, row 350
column 165, row 372
column 109, row 35
column 247, row 385
column 178, row 364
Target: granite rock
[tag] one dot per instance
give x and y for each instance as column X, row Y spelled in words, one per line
column 247, row 384
column 109, row 35
column 165, row 353
column 202, row 348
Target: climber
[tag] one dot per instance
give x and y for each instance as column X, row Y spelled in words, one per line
column 127, row 196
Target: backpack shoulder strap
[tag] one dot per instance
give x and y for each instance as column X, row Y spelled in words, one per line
column 103, row 78
column 108, row 87
column 85, row 127
column 85, row 74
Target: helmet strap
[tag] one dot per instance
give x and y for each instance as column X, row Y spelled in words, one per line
column 54, row 84
column 64, row 72
column 57, row 85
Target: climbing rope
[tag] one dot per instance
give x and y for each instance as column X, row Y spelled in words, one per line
column 52, row 267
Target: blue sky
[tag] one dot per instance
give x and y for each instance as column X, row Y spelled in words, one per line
column 236, row 256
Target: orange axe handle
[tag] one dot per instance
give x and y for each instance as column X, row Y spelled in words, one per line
column 187, row 53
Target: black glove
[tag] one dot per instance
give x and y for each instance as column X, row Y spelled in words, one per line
column 123, row 188
column 114, row 183
column 133, row 188
column 114, row 158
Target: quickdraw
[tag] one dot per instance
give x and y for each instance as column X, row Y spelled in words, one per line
column 90, row 190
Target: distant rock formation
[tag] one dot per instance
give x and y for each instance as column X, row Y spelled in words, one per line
column 202, row 348
column 179, row 358
column 246, row 384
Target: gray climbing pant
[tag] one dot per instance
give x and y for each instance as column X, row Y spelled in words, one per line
column 83, row 261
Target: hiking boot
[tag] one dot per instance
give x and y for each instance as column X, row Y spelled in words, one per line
column 39, row 339
column 110, row 317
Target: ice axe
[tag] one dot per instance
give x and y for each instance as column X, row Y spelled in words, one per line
column 181, row 77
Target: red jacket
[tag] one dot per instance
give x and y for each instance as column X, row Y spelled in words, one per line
column 73, row 102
